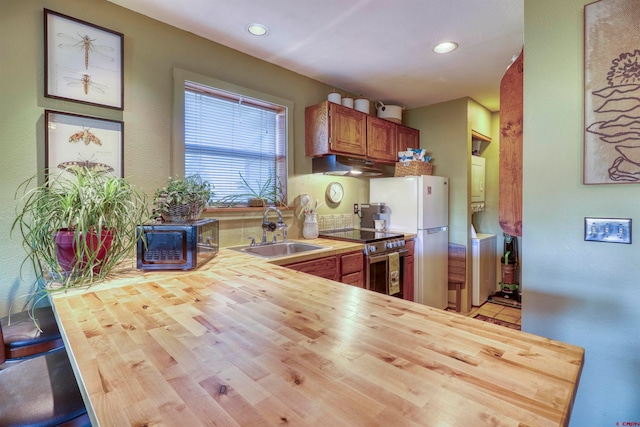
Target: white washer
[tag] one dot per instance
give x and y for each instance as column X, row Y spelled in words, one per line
column 483, row 253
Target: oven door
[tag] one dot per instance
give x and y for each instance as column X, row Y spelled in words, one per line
column 377, row 274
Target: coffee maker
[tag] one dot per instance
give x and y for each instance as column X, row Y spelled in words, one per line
column 372, row 212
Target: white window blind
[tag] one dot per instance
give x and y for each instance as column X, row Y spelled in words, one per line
column 227, row 135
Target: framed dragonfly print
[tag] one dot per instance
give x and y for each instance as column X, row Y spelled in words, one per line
column 73, row 140
column 83, row 62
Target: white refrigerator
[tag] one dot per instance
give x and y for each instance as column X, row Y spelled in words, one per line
column 420, row 205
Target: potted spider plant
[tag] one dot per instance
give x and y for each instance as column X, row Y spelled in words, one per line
column 76, row 227
column 257, row 194
column 184, row 199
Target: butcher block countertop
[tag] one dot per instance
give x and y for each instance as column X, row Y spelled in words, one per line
column 244, row 342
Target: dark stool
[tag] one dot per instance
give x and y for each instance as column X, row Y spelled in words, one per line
column 41, row 391
column 23, row 339
column 457, row 274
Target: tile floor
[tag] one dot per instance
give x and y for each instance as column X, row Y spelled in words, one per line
column 498, row 311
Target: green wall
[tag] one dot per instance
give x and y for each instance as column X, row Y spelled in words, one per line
column 487, row 221
column 445, row 132
column 584, row 293
column 152, row 50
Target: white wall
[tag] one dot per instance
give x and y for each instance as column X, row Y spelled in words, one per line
column 584, row 293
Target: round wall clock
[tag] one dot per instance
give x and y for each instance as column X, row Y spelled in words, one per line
column 335, row 192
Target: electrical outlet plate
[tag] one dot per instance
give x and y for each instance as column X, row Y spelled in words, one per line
column 355, row 208
column 610, row 230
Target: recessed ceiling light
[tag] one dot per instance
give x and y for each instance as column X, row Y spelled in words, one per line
column 445, row 47
column 257, row 29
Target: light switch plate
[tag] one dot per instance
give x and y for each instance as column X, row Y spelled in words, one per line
column 610, row 230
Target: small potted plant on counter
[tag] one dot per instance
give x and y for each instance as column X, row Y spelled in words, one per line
column 76, row 227
column 183, row 199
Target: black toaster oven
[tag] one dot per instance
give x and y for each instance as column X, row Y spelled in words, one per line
column 177, row 245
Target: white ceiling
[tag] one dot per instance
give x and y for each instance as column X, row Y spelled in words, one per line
column 378, row 48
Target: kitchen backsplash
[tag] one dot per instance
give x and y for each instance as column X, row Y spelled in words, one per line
column 236, row 227
column 337, row 221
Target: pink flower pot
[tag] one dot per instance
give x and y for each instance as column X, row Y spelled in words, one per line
column 66, row 249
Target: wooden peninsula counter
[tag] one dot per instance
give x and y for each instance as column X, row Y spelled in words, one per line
column 242, row 341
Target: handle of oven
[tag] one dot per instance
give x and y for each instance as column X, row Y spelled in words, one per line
column 383, row 257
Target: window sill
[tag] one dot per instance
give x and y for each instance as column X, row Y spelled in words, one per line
column 241, row 212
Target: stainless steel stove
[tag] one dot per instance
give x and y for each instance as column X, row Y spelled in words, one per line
column 375, row 242
column 380, row 249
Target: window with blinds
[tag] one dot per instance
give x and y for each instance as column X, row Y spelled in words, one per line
column 232, row 140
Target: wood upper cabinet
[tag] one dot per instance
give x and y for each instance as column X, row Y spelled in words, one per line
column 382, row 139
column 333, row 129
column 408, row 138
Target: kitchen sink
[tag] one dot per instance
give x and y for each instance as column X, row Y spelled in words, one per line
column 275, row 250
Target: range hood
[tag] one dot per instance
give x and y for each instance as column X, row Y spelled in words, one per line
column 344, row 166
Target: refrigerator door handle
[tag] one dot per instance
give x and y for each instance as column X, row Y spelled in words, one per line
column 436, row 230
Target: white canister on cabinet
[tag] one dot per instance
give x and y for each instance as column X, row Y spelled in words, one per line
column 335, row 97
column 347, row 102
column 363, row 105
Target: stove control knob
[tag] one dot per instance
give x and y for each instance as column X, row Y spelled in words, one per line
column 389, row 245
column 372, row 248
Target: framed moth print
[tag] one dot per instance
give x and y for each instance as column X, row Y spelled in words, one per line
column 612, row 92
column 72, row 140
column 83, row 62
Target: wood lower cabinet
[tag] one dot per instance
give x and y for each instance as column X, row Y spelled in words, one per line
column 333, row 129
column 409, row 272
column 381, row 139
column 326, row 267
column 346, row 268
column 352, row 269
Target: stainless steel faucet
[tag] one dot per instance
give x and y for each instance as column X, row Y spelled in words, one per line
column 270, row 226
